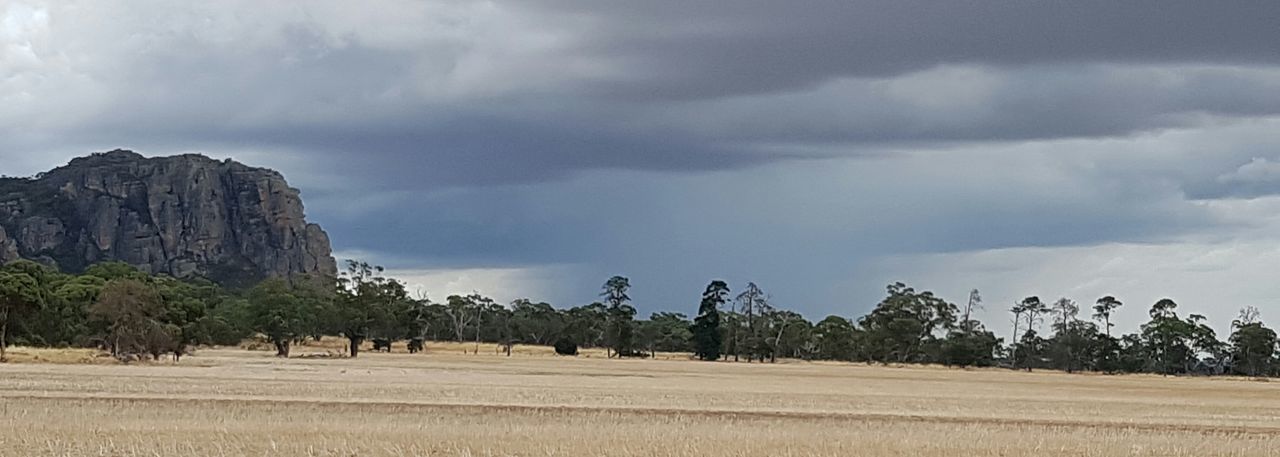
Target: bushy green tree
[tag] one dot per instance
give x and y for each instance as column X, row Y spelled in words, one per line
column 899, row 328
column 367, row 304
column 1253, row 345
column 971, row 346
column 536, row 323
column 793, row 335
column 835, row 338
column 1172, row 342
column 67, row 322
column 585, row 325
column 20, row 296
column 665, row 331
column 133, row 313
column 279, row 314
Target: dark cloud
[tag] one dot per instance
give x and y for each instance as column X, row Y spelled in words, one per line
column 534, row 91
column 790, row 143
column 702, row 50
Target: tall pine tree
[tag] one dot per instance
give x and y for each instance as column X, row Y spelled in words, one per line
column 620, row 317
column 706, row 327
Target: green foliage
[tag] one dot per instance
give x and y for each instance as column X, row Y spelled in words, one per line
column 789, row 335
column 974, row 346
column 1172, row 343
column 585, row 325
column 536, row 323
column 565, row 346
column 133, row 314
column 835, row 338
column 707, row 338
column 228, row 322
column 1103, row 309
column 281, row 313
column 20, row 295
column 1072, row 347
column 130, row 312
column 1253, row 345
column 108, row 271
column 619, row 323
column 904, row 323
column 102, row 306
column 1029, row 351
column 668, row 332
column 369, row 305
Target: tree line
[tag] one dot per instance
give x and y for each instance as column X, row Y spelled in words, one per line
column 130, row 313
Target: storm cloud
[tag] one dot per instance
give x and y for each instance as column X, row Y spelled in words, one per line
column 820, row 149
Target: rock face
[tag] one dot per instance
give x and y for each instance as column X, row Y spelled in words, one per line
column 185, row 215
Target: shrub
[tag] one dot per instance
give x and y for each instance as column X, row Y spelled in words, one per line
column 565, row 346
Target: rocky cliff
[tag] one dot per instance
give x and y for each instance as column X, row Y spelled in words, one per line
column 185, row 215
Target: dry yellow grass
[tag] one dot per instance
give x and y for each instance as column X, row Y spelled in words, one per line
column 333, row 346
column 21, row 354
column 235, row 402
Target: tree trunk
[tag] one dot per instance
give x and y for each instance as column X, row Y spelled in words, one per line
column 282, row 348
column 355, row 346
column 4, row 331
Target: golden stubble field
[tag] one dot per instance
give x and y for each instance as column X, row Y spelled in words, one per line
column 232, row 402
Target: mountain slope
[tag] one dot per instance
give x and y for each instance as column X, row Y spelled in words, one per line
column 185, row 215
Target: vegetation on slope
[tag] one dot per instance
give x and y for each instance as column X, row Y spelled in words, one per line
column 120, row 309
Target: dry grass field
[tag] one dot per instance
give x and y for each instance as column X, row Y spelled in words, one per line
column 232, row 402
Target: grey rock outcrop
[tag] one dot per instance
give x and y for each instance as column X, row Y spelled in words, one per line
column 185, row 216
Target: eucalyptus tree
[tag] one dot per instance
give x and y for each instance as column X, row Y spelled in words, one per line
column 905, row 322
column 1017, row 310
column 751, row 304
column 673, row 332
column 368, row 303
column 783, row 327
column 20, row 295
column 835, row 338
column 1253, row 345
column 463, row 311
column 664, row 331
column 132, row 313
column 487, row 313
column 1174, row 342
column 279, row 314
column 66, row 323
column 969, row 346
column 536, row 323
column 585, row 325
column 974, row 304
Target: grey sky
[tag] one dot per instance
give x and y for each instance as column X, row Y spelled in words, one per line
column 821, row 149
